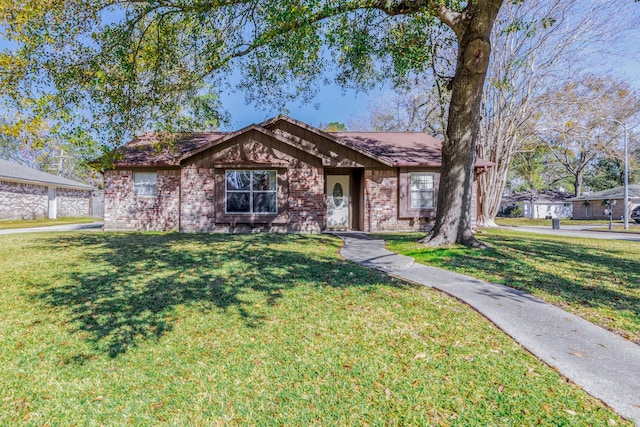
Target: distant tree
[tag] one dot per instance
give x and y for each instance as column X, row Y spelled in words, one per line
column 536, row 44
column 333, row 127
column 580, row 122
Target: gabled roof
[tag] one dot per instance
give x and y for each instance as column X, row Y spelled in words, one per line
column 14, row 172
column 612, row 193
column 410, row 149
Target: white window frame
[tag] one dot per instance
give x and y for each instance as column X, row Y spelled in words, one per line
column 145, row 187
column 251, row 191
column 430, row 188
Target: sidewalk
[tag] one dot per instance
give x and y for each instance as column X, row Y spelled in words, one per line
column 604, row 364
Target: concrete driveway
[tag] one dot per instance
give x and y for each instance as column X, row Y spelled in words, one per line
column 93, row 226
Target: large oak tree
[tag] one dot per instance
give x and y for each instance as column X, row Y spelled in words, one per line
column 123, row 66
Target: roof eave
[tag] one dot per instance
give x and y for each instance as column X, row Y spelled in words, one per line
column 45, row 183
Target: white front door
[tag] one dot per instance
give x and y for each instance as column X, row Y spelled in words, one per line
column 337, row 201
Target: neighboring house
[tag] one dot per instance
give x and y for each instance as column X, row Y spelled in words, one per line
column 545, row 204
column 281, row 175
column 27, row 193
column 593, row 205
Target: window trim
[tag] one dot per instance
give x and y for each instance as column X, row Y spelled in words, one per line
column 251, row 191
column 404, row 194
column 136, row 187
column 421, row 191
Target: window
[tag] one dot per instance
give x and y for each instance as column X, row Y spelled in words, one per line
column 422, row 190
column 144, row 183
column 251, row 191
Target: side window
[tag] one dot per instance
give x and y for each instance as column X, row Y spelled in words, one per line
column 145, row 183
column 422, row 190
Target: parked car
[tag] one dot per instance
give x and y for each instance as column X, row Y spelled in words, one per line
column 635, row 214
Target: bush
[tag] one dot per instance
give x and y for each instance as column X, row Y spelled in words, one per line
column 513, row 211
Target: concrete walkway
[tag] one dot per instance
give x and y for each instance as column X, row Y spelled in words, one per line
column 93, row 226
column 604, row 364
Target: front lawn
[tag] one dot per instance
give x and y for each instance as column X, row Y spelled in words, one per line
column 596, row 279
column 182, row 329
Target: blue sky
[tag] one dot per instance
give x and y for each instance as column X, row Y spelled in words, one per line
column 333, row 104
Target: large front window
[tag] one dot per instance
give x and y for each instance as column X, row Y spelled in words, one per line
column 251, row 191
column 422, row 190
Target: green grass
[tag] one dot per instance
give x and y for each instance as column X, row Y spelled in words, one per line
column 524, row 222
column 177, row 329
column 596, row 279
column 27, row 223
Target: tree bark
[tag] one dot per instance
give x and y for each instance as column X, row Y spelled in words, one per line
column 453, row 217
column 577, row 182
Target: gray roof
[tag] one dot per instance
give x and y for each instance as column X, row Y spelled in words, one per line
column 612, row 193
column 14, row 172
column 542, row 196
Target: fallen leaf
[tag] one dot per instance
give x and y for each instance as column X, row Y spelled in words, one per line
column 612, row 422
column 570, row 412
column 420, row 356
column 387, row 392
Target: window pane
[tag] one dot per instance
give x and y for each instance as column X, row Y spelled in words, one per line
column 264, row 180
column 422, row 199
column 238, row 203
column 421, row 181
column 264, row 202
column 144, row 183
column 238, row 180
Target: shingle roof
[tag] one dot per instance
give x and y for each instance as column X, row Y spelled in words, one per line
column 14, row 172
column 401, row 148
column 612, row 193
column 543, row 196
column 398, row 148
column 163, row 149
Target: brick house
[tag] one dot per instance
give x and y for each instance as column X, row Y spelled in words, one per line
column 593, row 205
column 281, row 175
column 27, row 193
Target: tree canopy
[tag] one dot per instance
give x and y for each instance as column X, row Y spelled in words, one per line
column 120, row 67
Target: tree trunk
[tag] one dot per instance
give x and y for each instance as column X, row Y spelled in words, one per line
column 453, row 217
column 577, row 182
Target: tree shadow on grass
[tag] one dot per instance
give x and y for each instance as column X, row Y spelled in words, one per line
column 125, row 287
column 578, row 274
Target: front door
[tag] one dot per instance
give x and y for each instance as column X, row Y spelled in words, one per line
column 338, row 201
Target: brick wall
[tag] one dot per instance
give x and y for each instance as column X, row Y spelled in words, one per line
column 23, row 201
column 306, row 199
column 596, row 209
column 381, row 203
column 124, row 211
column 72, row 202
column 197, row 192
